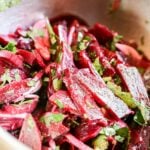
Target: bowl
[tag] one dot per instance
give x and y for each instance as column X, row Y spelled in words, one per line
column 132, row 20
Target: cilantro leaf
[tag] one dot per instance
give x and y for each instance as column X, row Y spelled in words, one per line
column 35, row 33
column 142, row 115
column 115, row 40
column 52, row 118
column 100, row 143
column 31, row 83
column 108, row 131
column 53, row 37
column 6, row 77
column 10, row 47
column 125, row 96
column 84, row 43
column 57, row 84
column 5, row 4
column 59, row 103
column 98, row 66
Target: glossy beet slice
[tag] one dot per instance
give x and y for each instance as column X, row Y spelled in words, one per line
column 134, row 82
column 11, row 121
column 102, row 94
column 64, row 102
column 83, row 100
column 30, row 134
column 18, row 90
column 77, row 143
column 11, row 59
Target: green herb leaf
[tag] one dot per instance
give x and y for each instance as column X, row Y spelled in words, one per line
column 10, row 47
column 57, row 84
column 31, row 123
column 5, row 4
column 57, row 148
column 53, row 37
column 125, row 96
column 35, row 33
column 100, row 143
column 84, row 43
column 59, row 57
column 17, row 76
column 31, row 83
column 108, row 131
column 59, row 103
column 142, row 115
column 115, row 40
column 52, row 118
column 119, row 138
column 123, row 136
column 6, row 77
column 99, row 68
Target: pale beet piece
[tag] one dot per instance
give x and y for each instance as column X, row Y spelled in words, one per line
column 102, row 94
column 133, row 82
column 30, row 134
column 11, row 121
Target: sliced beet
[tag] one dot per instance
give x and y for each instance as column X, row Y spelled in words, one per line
column 134, row 82
column 63, row 100
column 28, row 57
column 102, row 94
column 50, row 124
column 87, row 130
column 18, row 90
column 42, row 43
column 83, row 100
column 11, row 121
column 23, row 107
column 77, row 143
column 11, row 59
column 30, row 134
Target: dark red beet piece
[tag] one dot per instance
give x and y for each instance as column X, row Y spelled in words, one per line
column 87, row 130
column 102, row 33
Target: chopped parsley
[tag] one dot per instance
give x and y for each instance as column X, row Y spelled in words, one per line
column 84, row 43
column 6, row 78
column 5, row 4
column 35, row 33
column 115, row 40
column 11, row 46
column 49, row 118
column 59, row 103
column 57, row 84
column 98, row 66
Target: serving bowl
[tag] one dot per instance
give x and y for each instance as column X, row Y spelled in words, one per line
column 132, row 20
